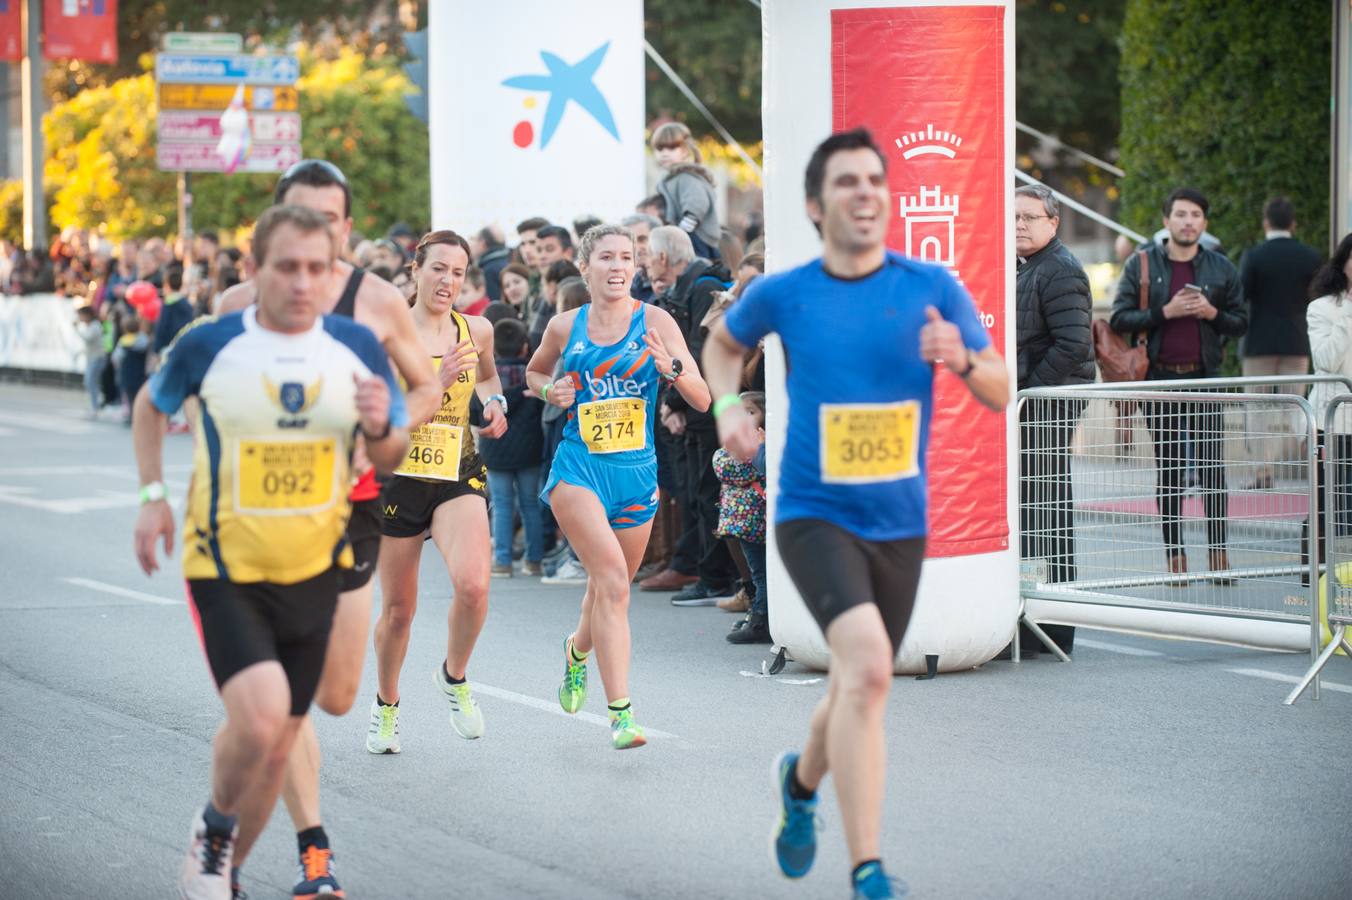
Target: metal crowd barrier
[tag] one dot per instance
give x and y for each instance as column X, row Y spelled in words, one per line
column 1194, row 496
column 1337, row 537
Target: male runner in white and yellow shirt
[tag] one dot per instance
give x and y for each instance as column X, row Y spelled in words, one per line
column 282, row 393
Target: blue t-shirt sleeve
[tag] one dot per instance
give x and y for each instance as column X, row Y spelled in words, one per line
column 959, row 308
column 362, row 341
column 752, row 317
column 186, row 361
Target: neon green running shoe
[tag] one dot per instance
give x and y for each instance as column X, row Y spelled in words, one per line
column 573, row 691
column 624, row 733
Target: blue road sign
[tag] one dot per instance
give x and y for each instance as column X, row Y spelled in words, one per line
column 181, row 68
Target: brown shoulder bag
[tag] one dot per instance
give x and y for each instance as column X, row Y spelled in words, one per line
column 1118, row 360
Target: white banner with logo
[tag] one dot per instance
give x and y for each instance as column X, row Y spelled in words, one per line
column 535, row 108
column 37, row 331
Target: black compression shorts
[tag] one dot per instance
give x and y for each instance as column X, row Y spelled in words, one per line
column 363, row 534
column 408, row 503
column 835, row 570
column 244, row 624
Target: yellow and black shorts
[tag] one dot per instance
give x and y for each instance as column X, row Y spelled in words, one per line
column 408, row 503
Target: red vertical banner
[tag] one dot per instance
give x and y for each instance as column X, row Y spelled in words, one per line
column 929, row 83
column 11, row 31
column 79, row 29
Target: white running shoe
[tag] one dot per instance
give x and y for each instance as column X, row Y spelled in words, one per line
column 466, row 718
column 382, row 736
column 205, row 874
column 570, row 571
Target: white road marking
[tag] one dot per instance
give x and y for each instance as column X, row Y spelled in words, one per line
column 40, row 422
column 745, row 674
column 1291, row 679
column 1115, row 648
column 121, row 591
column 545, row 706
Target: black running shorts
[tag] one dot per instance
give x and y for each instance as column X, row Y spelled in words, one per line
column 835, row 570
column 363, row 534
column 408, row 503
column 244, row 624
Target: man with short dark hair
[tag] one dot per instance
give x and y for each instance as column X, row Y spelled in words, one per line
column 1194, row 302
column 1275, row 276
column 851, row 529
column 1054, row 348
column 527, row 232
column 552, row 243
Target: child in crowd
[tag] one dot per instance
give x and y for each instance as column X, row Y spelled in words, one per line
column 741, row 516
column 90, row 330
column 130, row 357
column 688, row 188
column 513, row 460
column 473, row 299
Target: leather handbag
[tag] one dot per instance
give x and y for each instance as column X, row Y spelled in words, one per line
column 1119, row 360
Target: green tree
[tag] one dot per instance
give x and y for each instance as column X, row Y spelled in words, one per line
column 1231, row 97
column 715, row 46
column 1053, row 38
column 101, row 167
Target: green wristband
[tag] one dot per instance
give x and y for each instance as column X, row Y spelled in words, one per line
column 544, row 391
column 722, row 404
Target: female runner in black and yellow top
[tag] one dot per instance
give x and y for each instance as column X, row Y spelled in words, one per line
column 439, row 492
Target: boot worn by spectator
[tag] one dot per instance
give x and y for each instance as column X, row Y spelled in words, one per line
column 739, row 602
column 1178, row 565
column 667, row 580
column 755, row 630
column 1219, row 561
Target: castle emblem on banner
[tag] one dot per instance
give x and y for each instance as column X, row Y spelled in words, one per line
column 930, row 215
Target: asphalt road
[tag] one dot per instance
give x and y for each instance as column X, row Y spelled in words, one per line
column 1144, row 768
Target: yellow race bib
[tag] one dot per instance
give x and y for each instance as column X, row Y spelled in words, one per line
column 285, row 476
column 863, row 443
column 615, row 425
column 433, row 452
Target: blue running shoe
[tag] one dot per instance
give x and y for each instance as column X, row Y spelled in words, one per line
column 872, row 883
column 795, row 835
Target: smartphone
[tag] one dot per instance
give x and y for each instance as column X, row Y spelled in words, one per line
column 1194, row 287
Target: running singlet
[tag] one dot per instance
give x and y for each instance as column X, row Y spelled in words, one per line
column 616, row 391
column 860, row 395
column 443, row 449
column 268, row 499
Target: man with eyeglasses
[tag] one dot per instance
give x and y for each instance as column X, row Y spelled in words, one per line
column 379, row 305
column 1055, row 347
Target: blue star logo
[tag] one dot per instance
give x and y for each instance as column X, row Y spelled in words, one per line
column 568, row 83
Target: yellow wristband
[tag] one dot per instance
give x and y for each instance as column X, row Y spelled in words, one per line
column 722, row 404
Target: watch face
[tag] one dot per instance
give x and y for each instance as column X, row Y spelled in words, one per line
column 676, row 366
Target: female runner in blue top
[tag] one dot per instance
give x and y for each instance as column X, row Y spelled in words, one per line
column 602, row 486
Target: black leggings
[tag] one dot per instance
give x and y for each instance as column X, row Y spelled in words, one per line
column 835, row 570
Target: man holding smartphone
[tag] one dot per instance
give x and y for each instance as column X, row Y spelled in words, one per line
column 1194, row 302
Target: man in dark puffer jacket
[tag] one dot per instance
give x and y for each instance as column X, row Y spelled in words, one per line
column 1055, row 348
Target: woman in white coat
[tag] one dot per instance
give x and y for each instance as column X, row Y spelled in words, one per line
column 1329, row 320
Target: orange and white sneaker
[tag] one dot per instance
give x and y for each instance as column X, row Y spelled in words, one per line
column 316, row 875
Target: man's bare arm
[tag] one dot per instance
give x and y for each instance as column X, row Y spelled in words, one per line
column 404, row 347
column 241, row 296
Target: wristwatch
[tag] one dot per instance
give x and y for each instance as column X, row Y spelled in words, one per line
column 502, row 401
column 152, row 493
column 971, row 364
column 378, row 437
column 675, row 373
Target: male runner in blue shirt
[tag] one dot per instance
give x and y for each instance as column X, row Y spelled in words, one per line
column 862, row 329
